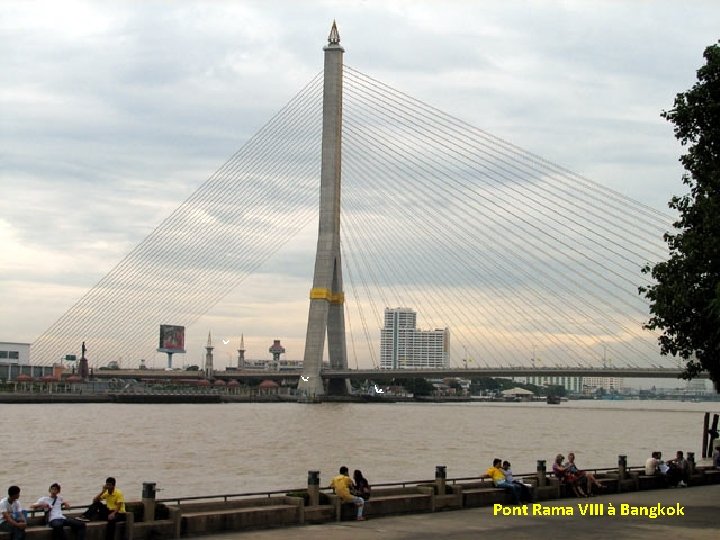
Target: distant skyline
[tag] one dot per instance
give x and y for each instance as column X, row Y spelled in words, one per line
column 113, row 113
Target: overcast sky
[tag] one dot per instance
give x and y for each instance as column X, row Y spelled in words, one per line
column 113, row 113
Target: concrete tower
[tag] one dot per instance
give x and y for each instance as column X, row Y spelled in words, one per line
column 276, row 350
column 209, row 371
column 326, row 295
column 241, row 353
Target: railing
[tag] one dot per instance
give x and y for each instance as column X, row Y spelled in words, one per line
column 225, row 497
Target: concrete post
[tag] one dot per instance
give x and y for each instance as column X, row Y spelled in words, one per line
column 622, row 466
column 314, row 487
column 541, row 473
column 440, row 476
column 148, row 501
column 691, row 463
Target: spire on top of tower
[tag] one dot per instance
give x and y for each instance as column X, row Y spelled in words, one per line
column 209, row 343
column 242, row 342
column 334, row 37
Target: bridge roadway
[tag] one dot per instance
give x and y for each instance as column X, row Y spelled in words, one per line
column 388, row 374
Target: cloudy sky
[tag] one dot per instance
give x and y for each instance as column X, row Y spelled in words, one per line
column 113, row 113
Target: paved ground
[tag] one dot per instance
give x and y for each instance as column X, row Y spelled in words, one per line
column 701, row 521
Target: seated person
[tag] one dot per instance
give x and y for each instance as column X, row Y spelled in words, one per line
column 54, row 505
column 566, row 477
column 12, row 516
column 525, row 489
column 361, row 486
column 652, row 465
column 498, row 477
column 679, row 470
column 112, row 511
column 342, row 484
column 590, row 480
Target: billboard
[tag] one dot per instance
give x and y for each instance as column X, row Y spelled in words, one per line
column 172, row 338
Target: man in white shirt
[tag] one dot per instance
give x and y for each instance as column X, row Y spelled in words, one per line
column 12, row 517
column 652, row 464
column 54, row 504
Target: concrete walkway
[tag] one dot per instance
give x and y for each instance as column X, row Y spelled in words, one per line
column 701, row 521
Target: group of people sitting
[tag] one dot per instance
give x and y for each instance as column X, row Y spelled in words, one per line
column 108, row 505
column 676, row 471
column 582, row 483
column 502, row 477
column 354, row 490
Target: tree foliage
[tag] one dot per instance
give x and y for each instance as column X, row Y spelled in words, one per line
column 417, row 387
column 685, row 301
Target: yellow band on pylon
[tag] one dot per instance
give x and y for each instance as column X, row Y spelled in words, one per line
column 318, row 293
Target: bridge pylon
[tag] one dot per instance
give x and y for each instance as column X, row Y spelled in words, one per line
column 326, row 296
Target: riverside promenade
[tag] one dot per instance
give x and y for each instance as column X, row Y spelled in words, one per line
column 701, row 506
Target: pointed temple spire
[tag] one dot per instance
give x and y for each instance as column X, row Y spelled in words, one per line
column 334, row 37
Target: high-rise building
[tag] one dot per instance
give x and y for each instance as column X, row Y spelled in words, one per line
column 571, row 384
column 609, row 384
column 404, row 346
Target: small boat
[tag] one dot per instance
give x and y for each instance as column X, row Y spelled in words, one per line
column 553, row 400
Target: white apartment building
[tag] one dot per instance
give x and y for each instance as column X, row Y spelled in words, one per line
column 608, row 383
column 571, row 384
column 404, row 346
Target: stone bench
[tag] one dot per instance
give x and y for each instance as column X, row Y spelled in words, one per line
column 622, row 485
column 654, row 481
column 389, row 501
column 37, row 529
column 565, row 491
column 710, row 476
column 203, row 518
column 482, row 493
column 449, row 499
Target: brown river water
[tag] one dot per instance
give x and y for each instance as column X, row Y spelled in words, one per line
column 199, row 449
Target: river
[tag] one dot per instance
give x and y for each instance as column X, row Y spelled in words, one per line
column 198, row 449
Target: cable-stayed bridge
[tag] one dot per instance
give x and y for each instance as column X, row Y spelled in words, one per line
column 525, row 262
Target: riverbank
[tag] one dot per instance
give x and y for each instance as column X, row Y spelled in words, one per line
column 199, row 397
column 631, row 505
column 202, row 397
column 701, row 507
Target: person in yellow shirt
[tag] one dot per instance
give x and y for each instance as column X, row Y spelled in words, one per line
column 109, row 505
column 497, row 474
column 342, row 484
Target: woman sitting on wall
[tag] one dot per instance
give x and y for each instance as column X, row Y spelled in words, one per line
column 566, row 477
column 361, row 487
column 590, row 479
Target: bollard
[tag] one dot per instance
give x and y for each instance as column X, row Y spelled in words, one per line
column 541, row 473
column 148, row 501
column 691, row 463
column 440, row 476
column 314, row 488
column 622, row 466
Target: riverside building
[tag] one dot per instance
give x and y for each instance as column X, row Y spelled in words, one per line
column 571, row 384
column 14, row 353
column 609, row 384
column 404, row 346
